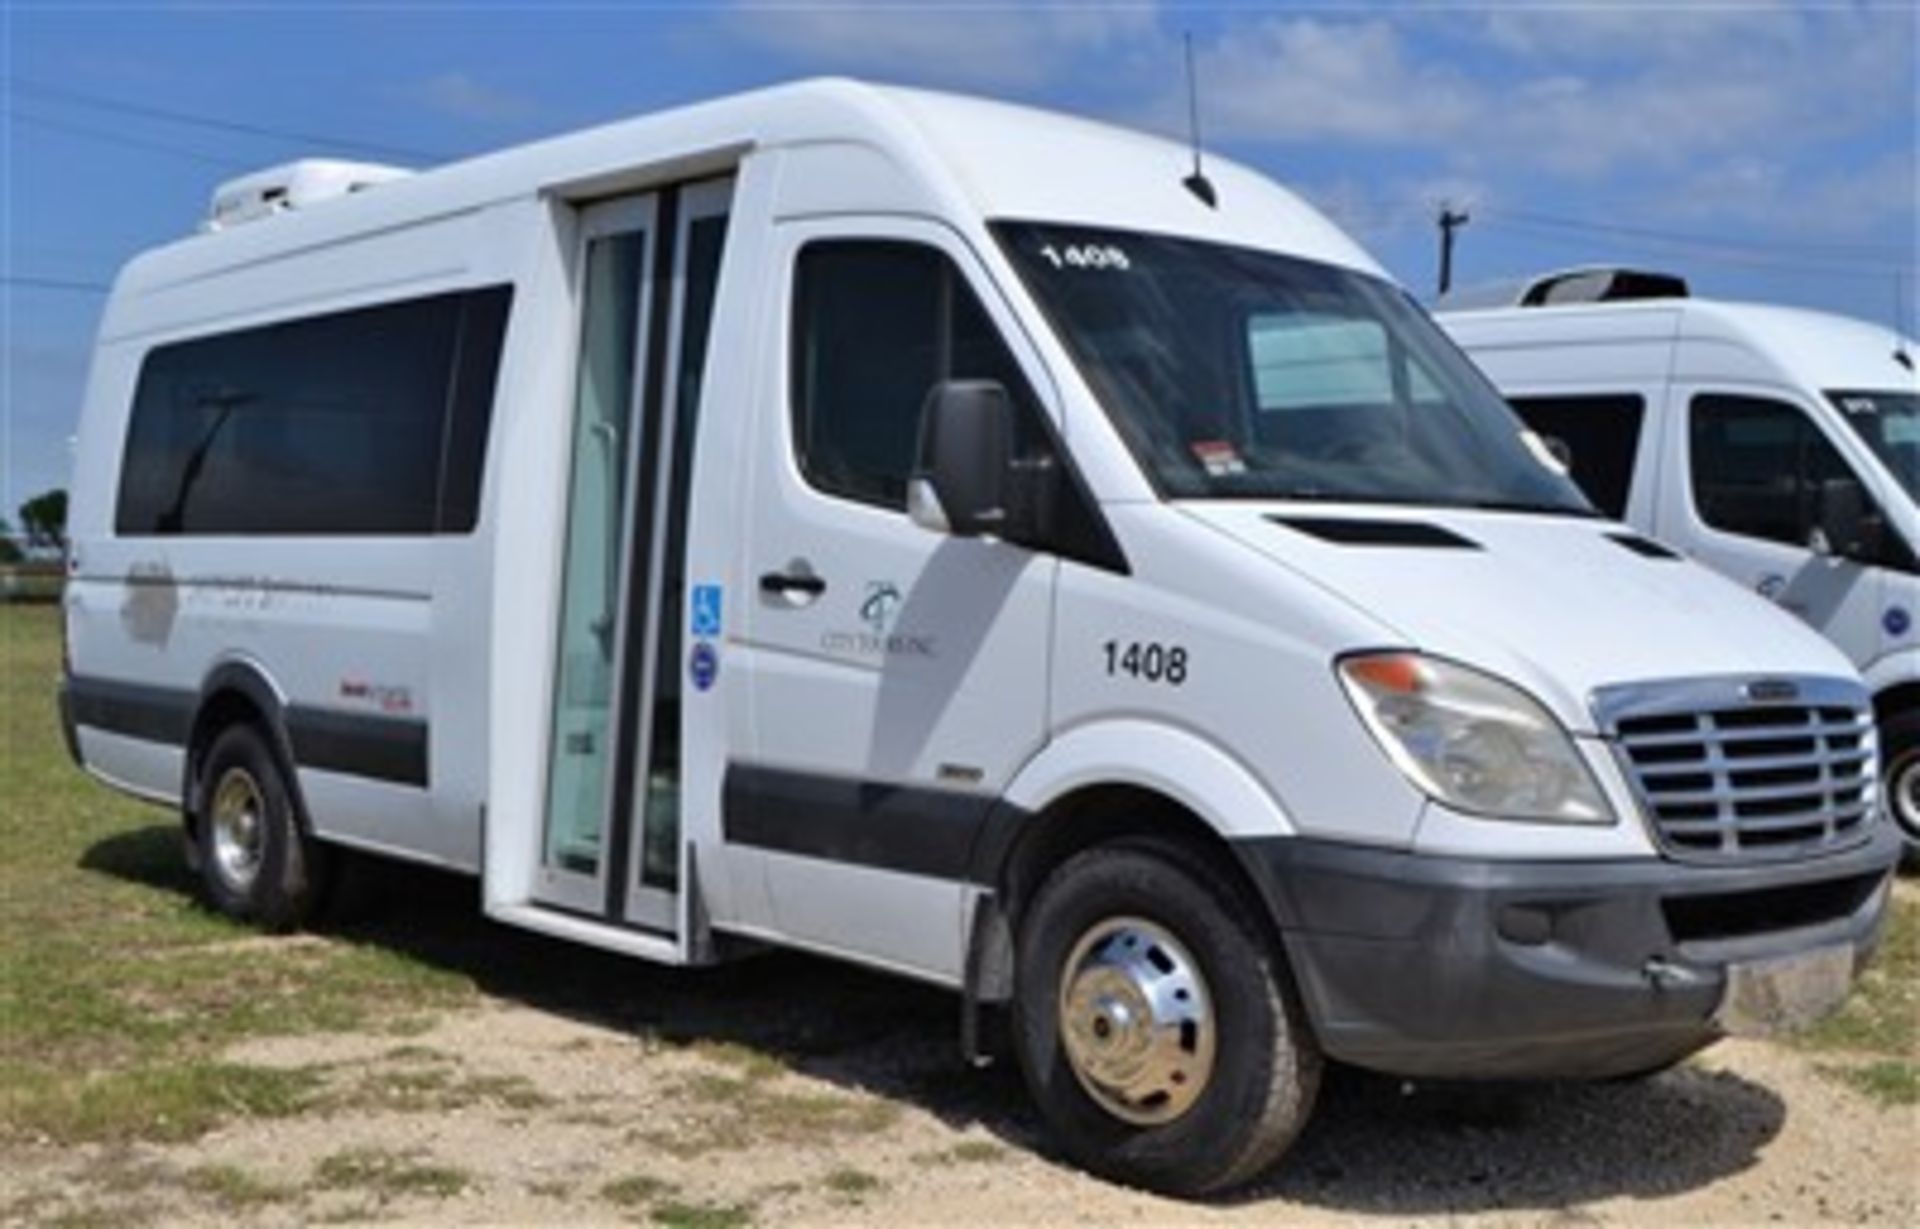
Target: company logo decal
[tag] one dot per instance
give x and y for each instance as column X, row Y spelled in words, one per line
column 1896, row 621
column 883, row 601
column 878, row 610
column 1772, row 691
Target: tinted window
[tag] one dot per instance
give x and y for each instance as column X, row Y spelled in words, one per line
column 876, row 325
column 371, row 421
column 1602, row 433
column 1758, row 466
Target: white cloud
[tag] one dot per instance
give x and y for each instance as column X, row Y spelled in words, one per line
column 1768, row 192
column 1526, row 90
column 984, row 44
column 1303, row 79
column 463, row 96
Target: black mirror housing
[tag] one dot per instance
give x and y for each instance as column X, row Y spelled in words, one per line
column 960, row 483
column 1849, row 526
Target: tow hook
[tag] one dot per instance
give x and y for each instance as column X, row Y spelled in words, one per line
column 1663, row 974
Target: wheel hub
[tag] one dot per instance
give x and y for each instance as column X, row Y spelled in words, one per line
column 1136, row 1021
column 238, row 828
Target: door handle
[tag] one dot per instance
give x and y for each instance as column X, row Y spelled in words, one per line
column 794, row 586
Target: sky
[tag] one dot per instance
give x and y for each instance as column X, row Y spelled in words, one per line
column 1765, row 149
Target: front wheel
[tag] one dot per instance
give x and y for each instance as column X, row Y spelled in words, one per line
column 1159, row 1034
column 1900, row 786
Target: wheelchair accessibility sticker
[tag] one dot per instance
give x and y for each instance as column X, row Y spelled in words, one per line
column 705, row 620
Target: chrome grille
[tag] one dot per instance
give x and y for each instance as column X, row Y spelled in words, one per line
column 1725, row 775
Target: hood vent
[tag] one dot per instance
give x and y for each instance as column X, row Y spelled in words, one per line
column 1642, row 546
column 1344, row 531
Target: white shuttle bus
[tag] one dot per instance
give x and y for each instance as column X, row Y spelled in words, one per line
column 969, row 542
column 1777, row 446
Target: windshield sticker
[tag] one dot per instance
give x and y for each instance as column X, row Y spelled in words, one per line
column 1859, row 405
column 1218, row 457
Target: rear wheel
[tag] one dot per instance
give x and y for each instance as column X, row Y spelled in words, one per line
column 1900, row 752
column 255, row 862
column 1159, row 1034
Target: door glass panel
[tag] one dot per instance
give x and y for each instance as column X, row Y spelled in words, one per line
column 660, row 860
column 589, row 611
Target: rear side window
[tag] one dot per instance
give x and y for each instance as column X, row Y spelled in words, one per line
column 370, row 421
column 1758, row 466
column 1602, row 433
column 876, row 325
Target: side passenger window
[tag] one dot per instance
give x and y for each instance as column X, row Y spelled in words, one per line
column 1758, row 467
column 1603, row 434
column 876, row 324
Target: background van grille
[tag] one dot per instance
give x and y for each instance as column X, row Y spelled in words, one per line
column 1774, row 779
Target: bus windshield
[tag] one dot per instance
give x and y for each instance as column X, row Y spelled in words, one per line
column 1241, row 374
column 1889, row 422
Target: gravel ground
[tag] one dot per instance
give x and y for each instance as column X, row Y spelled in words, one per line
column 785, row 1090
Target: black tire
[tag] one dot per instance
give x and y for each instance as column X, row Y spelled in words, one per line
column 1265, row 1067
column 278, row 888
column 1900, row 779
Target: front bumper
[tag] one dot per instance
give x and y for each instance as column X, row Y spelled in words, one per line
column 1417, row 965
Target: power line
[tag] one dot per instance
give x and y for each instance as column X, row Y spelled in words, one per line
column 54, row 283
column 121, row 139
column 167, row 115
column 1854, row 252
column 1737, row 257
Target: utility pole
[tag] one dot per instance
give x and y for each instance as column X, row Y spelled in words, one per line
column 1450, row 221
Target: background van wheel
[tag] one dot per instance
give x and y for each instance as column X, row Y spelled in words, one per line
column 255, row 863
column 1159, row 1033
column 1900, row 787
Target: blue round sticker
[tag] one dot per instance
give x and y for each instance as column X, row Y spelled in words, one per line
column 703, row 665
column 1896, row 620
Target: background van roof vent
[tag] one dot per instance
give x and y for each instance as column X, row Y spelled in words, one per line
column 292, row 185
column 1601, row 285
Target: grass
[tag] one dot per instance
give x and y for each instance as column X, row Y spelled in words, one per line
column 1891, row 1081
column 745, row 1111
column 118, row 990
column 635, row 1190
column 852, row 1184
column 235, row 1189
column 388, row 1175
column 674, row 1215
column 1877, row 1034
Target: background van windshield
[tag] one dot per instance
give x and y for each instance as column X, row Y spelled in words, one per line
column 1241, row 374
column 1889, row 422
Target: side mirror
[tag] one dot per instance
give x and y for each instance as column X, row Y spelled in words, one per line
column 1848, row 526
column 960, row 483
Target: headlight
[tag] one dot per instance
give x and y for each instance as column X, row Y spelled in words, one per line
column 1471, row 741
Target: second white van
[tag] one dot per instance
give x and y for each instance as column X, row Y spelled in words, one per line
column 1777, row 446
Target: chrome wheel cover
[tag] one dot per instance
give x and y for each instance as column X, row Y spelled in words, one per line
column 236, row 821
column 1136, row 1020
column 1903, row 795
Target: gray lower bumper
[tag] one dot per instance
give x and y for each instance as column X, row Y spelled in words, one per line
column 1456, row 968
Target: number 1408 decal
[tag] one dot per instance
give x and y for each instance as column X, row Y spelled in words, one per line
column 1150, row 663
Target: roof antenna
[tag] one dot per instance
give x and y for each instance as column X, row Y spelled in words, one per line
column 1900, row 354
column 1196, row 183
